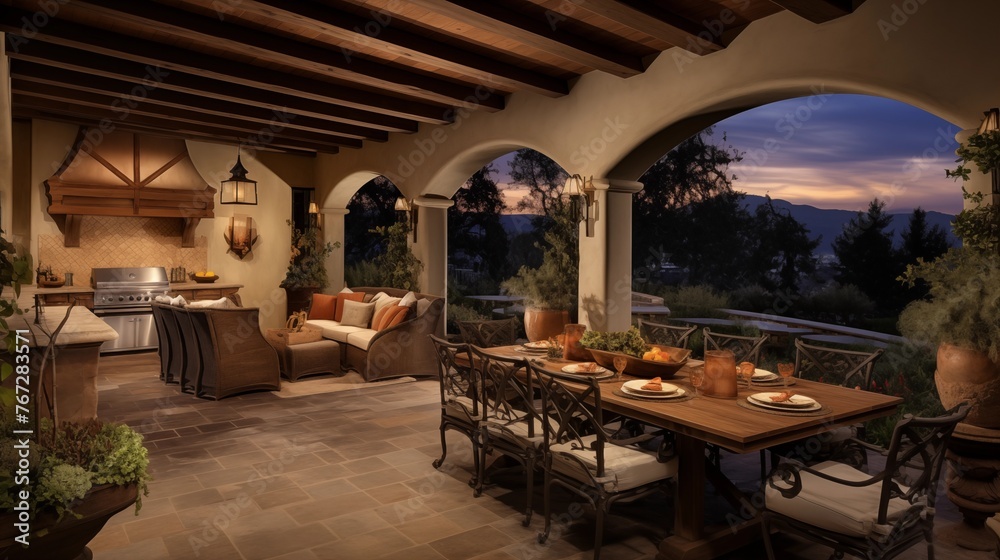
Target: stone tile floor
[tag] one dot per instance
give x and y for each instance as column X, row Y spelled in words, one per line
column 348, row 475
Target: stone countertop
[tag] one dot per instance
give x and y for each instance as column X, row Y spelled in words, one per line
column 83, row 326
column 203, row 286
column 64, row 290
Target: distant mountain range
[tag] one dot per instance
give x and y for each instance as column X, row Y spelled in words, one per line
column 820, row 222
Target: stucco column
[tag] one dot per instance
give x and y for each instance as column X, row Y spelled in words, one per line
column 6, row 150
column 432, row 243
column 605, row 285
column 333, row 232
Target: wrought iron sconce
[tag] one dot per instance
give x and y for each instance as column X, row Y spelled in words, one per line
column 991, row 123
column 237, row 189
column 583, row 200
column 404, row 205
column 314, row 214
column 241, row 235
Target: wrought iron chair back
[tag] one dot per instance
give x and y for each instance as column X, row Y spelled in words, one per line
column 567, row 419
column 912, row 470
column 744, row 348
column 459, row 396
column 670, row 335
column 848, row 368
column 486, row 334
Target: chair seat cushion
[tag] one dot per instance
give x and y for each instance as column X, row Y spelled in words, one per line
column 361, row 338
column 460, row 408
column 625, row 467
column 835, row 507
column 516, row 432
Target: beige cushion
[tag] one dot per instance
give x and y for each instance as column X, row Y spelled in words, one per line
column 516, row 431
column 625, row 467
column 334, row 330
column 423, row 305
column 346, row 290
column 178, row 301
column 409, row 300
column 221, row 303
column 361, row 338
column 834, row 507
column 357, row 314
column 461, row 409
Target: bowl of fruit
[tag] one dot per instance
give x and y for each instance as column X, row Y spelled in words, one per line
column 642, row 359
column 204, row 277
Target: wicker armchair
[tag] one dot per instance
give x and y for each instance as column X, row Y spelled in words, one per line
column 235, row 356
column 175, row 346
column 163, row 341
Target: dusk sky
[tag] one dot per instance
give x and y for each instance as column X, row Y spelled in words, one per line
column 839, row 153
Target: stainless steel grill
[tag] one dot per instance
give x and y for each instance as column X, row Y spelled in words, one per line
column 122, row 297
column 128, row 288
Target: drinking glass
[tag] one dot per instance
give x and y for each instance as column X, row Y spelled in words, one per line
column 785, row 370
column 697, row 378
column 746, row 371
column 620, row 363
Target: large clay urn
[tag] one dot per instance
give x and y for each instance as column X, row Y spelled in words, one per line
column 543, row 324
column 969, row 375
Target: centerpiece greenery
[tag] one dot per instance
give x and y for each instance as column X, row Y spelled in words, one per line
column 625, row 342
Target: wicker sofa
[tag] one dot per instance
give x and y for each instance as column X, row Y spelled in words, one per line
column 404, row 349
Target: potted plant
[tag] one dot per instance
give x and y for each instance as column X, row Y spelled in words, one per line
column 306, row 272
column 549, row 291
column 62, row 483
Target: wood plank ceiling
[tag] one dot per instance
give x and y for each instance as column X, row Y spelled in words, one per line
column 317, row 76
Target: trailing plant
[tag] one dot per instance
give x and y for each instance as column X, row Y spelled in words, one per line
column 397, row 266
column 982, row 150
column 307, row 263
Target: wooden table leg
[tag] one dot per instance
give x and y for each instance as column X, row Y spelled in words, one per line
column 691, row 540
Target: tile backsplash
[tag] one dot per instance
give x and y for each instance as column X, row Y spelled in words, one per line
column 107, row 241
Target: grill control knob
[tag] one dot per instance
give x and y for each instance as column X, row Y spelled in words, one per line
column 121, row 298
column 130, row 298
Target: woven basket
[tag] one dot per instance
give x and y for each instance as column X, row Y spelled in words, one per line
column 280, row 338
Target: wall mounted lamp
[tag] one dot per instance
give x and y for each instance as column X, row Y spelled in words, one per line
column 241, row 235
column 991, row 123
column 404, row 205
column 237, row 189
column 314, row 213
column 583, row 200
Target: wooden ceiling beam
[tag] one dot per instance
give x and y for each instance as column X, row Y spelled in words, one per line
column 29, row 113
column 110, row 118
column 819, row 11
column 101, row 41
column 122, row 111
column 85, row 82
column 155, row 78
column 432, row 48
column 653, row 20
column 537, row 33
column 313, row 58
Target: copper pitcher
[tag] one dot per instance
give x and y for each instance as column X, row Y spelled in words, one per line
column 572, row 350
column 720, row 374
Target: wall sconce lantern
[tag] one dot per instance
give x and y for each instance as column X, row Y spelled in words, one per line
column 583, row 200
column 241, row 235
column 404, row 205
column 991, row 123
column 237, row 189
column 314, row 213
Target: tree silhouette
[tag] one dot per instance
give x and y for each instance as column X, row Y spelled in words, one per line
column 919, row 242
column 474, row 228
column 371, row 207
column 866, row 257
column 784, row 251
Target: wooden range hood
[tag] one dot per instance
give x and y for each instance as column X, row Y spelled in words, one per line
column 125, row 174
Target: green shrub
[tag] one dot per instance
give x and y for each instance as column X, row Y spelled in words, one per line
column 695, row 301
column 907, row 371
column 457, row 312
column 836, row 304
column 752, row 298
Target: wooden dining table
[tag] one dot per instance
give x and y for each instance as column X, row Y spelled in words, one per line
column 707, row 420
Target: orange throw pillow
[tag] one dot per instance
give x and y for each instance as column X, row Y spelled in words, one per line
column 341, row 298
column 392, row 315
column 323, row 307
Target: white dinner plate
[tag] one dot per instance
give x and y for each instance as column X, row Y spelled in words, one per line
column 764, row 375
column 647, row 395
column 812, row 408
column 635, row 386
column 795, row 402
column 537, row 345
column 574, row 368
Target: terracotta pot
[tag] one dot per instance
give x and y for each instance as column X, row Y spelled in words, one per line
column 969, row 375
column 298, row 299
column 67, row 539
column 542, row 324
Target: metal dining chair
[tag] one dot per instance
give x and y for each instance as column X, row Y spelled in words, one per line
column 511, row 423
column 486, row 334
column 669, row 335
column 869, row 516
column 581, row 453
column 744, row 348
column 460, row 408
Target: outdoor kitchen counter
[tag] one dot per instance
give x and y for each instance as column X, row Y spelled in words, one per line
column 65, row 290
column 74, row 365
